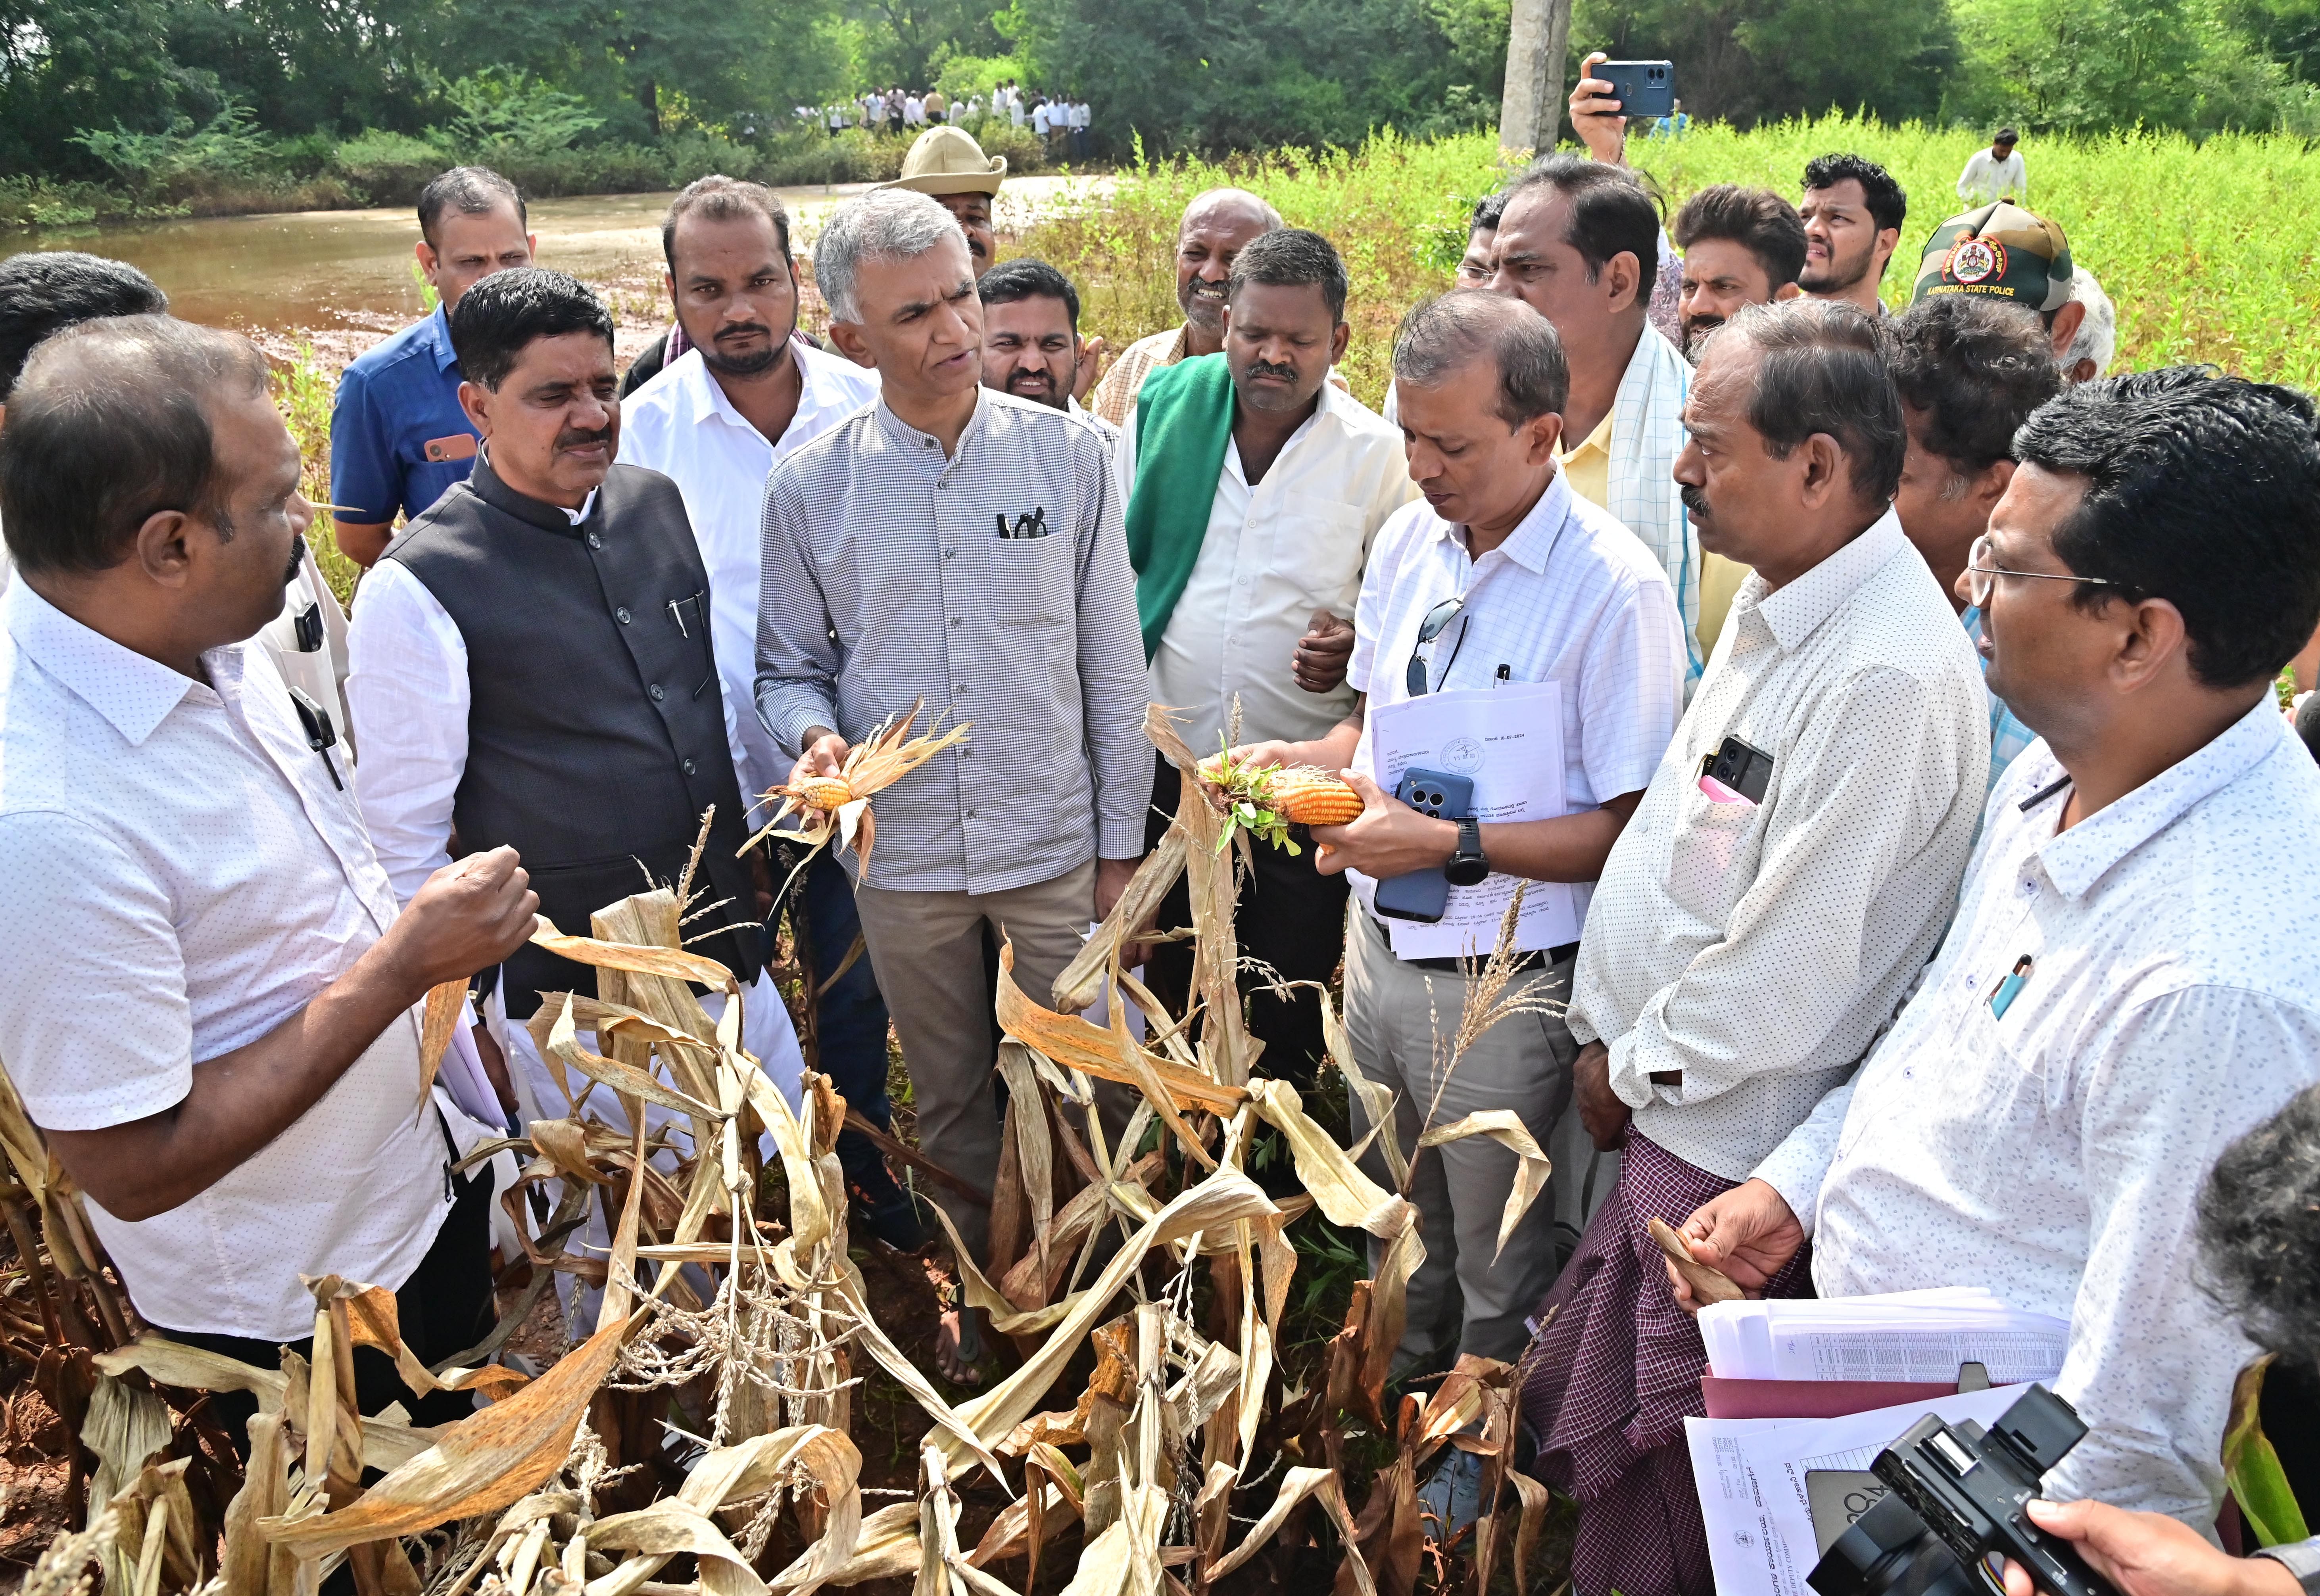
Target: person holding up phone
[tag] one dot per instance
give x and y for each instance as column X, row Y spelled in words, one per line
column 1788, row 872
column 1503, row 576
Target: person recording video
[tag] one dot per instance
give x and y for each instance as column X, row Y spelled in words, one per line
column 2259, row 1235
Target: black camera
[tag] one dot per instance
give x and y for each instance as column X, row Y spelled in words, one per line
column 1958, row 1495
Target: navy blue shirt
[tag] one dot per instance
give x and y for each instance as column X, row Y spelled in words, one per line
column 399, row 439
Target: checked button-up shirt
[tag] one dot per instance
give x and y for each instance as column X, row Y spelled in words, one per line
column 886, row 579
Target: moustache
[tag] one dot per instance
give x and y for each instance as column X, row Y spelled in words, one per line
column 572, row 438
column 740, row 329
column 1031, row 376
column 1696, row 501
column 1265, row 368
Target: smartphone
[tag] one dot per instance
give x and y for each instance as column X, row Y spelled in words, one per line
column 1424, row 895
column 1643, row 88
column 1745, row 770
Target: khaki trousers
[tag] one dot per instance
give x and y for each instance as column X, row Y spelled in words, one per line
column 927, row 949
column 1393, row 1013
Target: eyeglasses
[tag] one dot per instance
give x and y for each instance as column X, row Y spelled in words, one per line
column 1982, row 575
column 1438, row 620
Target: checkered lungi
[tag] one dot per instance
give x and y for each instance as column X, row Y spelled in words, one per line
column 1612, row 1375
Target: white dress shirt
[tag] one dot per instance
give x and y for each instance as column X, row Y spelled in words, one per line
column 2054, row 1152
column 1986, row 178
column 408, row 688
column 682, row 424
column 1570, row 597
column 178, row 876
column 1272, row 555
column 1757, row 948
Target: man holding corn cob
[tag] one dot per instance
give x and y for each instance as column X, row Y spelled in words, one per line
column 1253, row 492
column 963, row 547
column 1504, row 576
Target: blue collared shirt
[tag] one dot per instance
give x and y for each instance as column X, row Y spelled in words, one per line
column 393, row 403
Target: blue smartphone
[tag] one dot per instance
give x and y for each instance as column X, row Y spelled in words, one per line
column 1424, row 895
column 1643, row 88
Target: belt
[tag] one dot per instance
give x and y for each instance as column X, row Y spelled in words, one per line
column 1536, row 959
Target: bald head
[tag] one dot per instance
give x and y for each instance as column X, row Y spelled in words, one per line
column 1217, row 226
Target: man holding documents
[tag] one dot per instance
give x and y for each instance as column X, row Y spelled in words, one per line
column 2125, row 987
column 1790, row 869
column 1543, row 639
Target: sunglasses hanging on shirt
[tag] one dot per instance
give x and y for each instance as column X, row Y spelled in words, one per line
column 1416, row 674
column 322, row 736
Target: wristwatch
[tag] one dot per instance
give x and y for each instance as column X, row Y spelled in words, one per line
column 1467, row 867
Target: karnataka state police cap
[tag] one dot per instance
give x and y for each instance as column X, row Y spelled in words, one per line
column 1999, row 251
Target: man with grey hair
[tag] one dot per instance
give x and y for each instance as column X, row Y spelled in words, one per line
column 1554, row 593
column 2096, row 339
column 1217, row 226
column 1790, row 869
column 958, row 548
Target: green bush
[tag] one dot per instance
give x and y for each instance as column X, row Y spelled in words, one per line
column 390, row 168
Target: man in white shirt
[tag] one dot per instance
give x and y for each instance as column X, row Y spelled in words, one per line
column 1579, row 243
column 1254, row 489
column 211, row 1007
column 1788, row 872
column 746, row 395
column 1031, row 342
column 1995, row 174
column 1548, row 588
column 2126, row 986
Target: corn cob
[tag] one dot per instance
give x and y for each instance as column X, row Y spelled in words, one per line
column 1309, row 796
column 824, row 792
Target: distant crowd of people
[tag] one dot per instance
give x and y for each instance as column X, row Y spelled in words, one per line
column 1061, row 122
column 1918, row 879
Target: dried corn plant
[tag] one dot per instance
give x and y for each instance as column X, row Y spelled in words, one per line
column 1179, row 1456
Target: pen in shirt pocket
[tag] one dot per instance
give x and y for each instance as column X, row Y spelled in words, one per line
column 1504, row 677
column 2009, row 986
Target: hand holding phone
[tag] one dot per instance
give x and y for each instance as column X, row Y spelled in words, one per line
column 1641, row 88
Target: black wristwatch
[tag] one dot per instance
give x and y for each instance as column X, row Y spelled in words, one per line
column 1467, row 867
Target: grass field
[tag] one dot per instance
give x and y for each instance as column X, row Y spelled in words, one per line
column 2211, row 251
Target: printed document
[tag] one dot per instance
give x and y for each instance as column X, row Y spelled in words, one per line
column 1756, row 1501
column 1508, row 742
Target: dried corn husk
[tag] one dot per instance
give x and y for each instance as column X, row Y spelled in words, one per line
column 839, row 806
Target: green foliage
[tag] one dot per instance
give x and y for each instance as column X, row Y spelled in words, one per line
column 229, row 145
column 1742, row 60
column 2115, row 64
column 1217, row 75
column 501, row 110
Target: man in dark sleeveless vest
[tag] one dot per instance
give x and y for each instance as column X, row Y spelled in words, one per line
column 533, row 653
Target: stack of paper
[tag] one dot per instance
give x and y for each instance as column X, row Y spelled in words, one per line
column 1908, row 1335
column 1758, row 1480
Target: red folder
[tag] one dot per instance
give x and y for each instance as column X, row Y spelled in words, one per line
column 1812, row 1399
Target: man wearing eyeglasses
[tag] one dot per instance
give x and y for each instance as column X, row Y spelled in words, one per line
column 2126, row 987
column 1504, row 578
column 1786, row 876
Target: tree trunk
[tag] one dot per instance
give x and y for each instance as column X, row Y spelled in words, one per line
column 648, row 97
column 1532, row 110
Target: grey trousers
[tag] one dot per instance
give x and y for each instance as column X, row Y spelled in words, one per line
column 927, row 949
column 1394, row 1012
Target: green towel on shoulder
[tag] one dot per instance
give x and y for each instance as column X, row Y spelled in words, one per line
column 1184, row 420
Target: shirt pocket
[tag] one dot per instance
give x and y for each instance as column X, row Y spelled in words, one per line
column 1315, row 560
column 1714, row 855
column 1034, row 581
